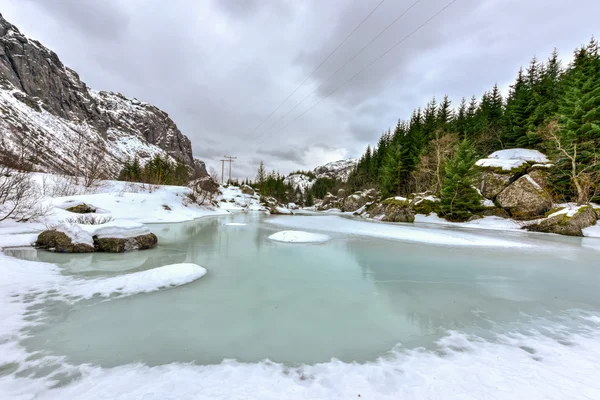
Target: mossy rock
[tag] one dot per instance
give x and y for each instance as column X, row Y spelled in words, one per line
column 426, row 207
column 82, row 209
column 118, row 245
column 60, row 242
column 565, row 225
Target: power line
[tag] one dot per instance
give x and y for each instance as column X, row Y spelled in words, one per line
column 342, row 67
column 369, row 65
column 319, row 66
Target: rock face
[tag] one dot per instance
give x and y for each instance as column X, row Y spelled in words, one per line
column 46, row 107
column 565, row 225
column 524, row 199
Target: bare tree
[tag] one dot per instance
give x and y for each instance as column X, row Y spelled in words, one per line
column 19, row 197
column 94, row 168
column 585, row 178
column 430, row 171
column 214, row 175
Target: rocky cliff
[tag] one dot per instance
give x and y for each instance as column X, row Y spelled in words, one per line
column 47, row 111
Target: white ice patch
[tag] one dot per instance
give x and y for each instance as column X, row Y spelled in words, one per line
column 299, row 237
column 137, row 282
column 397, row 232
column 235, row 224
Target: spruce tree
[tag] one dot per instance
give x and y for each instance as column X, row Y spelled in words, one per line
column 459, row 199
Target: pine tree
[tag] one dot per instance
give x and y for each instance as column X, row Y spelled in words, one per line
column 459, row 199
column 445, row 114
column 261, row 174
column 577, row 140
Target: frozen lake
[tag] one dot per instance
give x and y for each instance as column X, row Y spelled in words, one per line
column 404, row 306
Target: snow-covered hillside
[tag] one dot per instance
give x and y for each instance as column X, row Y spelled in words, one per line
column 336, row 170
column 52, row 120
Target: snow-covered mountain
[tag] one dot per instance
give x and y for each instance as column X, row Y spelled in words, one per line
column 49, row 114
column 336, row 170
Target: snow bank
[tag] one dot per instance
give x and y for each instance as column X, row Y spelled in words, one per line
column 395, row 232
column 491, row 223
column 235, row 224
column 299, row 237
column 517, row 366
column 117, row 229
column 138, row 282
column 75, row 232
column 592, row 231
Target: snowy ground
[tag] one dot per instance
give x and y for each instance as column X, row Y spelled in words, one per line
column 463, row 366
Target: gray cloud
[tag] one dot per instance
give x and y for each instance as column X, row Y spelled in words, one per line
column 220, row 67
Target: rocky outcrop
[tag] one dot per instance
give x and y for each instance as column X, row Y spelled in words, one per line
column 516, row 180
column 567, row 225
column 524, row 199
column 118, row 245
column 47, row 108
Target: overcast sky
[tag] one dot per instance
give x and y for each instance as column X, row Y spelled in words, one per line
column 220, row 67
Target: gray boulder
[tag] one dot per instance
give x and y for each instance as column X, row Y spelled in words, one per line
column 492, row 183
column 247, row 190
column 524, row 199
column 354, row 202
column 391, row 210
column 564, row 225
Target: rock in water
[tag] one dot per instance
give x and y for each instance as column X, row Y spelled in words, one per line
column 524, row 199
column 60, row 242
column 564, row 225
column 118, row 245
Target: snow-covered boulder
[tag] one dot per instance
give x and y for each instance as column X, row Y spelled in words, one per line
column 247, row 190
column 66, row 238
column 524, row 199
column 512, row 161
column 394, row 209
column 112, row 237
column 567, row 222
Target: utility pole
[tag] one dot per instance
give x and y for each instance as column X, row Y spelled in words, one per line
column 230, row 159
column 223, row 171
